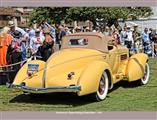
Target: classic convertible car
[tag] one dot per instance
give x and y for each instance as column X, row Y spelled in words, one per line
column 88, row 63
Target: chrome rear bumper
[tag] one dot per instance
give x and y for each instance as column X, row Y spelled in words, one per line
column 46, row 90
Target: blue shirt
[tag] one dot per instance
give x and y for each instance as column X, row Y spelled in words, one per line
column 145, row 37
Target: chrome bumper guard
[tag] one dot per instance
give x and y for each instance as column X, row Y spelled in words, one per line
column 45, row 90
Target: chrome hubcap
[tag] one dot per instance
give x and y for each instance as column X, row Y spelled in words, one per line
column 102, row 86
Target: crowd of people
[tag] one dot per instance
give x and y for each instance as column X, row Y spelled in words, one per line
column 17, row 44
column 131, row 37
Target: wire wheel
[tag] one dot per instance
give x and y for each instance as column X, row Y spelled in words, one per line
column 103, row 87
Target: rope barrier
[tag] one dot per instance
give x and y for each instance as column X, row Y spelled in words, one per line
column 11, row 65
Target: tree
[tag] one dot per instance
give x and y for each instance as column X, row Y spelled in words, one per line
column 110, row 15
column 52, row 15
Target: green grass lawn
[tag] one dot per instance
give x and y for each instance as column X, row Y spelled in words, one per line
column 123, row 97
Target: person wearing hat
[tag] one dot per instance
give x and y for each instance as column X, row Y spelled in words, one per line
column 14, row 53
column 136, row 38
column 24, row 38
column 47, row 48
column 36, row 42
column 67, row 31
column 52, row 29
column 87, row 29
column 78, row 29
column 123, row 35
column 61, row 34
column 128, row 42
column 14, row 28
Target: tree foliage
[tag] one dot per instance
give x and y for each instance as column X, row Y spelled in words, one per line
column 68, row 14
column 52, row 15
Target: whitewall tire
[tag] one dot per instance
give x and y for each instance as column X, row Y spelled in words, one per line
column 144, row 80
column 102, row 91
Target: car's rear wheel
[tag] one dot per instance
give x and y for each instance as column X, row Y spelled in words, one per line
column 144, row 80
column 102, row 91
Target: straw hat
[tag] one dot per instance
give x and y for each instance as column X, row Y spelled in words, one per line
column 87, row 28
column 135, row 25
column 37, row 30
column 128, row 26
column 11, row 24
column 78, row 28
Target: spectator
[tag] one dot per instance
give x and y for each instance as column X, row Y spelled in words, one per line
column 137, row 39
column 37, row 42
column 47, row 48
column 62, row 33
column 107, row 31
column 57, row 34
column 146, row 41
column 67, row 31
column 78, row 29
column 123, row 35
column 52, row 29
column 24, row 38
column 129, row 39
column 31, row 33
column 97, row 29
column 87, row 29
column 116, row 36
column 110, row 31
column 14, row 51
column 154, row 39
column 5, row 41
column 150, row 33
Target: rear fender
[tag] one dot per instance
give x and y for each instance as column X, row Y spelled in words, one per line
column 136, row 66
column 89, row 79
column 35, row 80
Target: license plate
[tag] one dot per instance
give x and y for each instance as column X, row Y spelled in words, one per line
column 33, row 67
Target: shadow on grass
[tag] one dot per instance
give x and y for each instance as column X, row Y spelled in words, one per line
column 66, row 98
column 125, row 84
column 53, row 99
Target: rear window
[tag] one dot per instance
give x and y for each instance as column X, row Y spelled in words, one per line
column 78, row 42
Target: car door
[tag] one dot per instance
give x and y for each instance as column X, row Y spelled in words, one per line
column 113, row 58
column 123, row 59
column 118, row 57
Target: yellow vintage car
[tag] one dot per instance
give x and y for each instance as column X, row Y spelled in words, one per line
column 88, row 63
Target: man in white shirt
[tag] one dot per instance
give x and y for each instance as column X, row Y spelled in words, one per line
column 128, row 41
column 123, row 35
column 36, row 41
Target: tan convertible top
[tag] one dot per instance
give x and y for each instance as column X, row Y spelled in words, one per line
column 96, row 41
